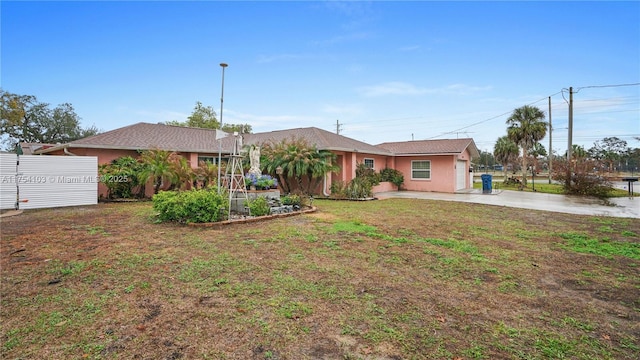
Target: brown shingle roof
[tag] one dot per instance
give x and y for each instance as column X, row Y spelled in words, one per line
column 324, row 140
column 431, row 147
column 145, row 136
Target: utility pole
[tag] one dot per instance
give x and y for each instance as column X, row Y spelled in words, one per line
column 550, row 155
column 223, row 66
column 338, row 125
column 570, row 143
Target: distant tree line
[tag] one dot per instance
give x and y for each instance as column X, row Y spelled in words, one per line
column 583, row 174
column 205, row 117
column 25, row 119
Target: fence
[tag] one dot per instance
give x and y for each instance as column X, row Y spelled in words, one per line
column 41, row 181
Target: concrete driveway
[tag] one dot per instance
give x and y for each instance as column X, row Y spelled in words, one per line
column 617, row 207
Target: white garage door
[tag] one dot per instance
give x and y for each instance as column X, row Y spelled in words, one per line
column 461, row 175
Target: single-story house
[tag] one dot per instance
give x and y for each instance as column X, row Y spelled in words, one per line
column 427, row 165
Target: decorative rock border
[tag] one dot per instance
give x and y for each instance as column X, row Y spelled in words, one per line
column 253, row 219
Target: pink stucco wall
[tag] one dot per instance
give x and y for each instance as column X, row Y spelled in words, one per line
column 379, row 161
column 443, row 168
column 384, row 186
column 443, row 176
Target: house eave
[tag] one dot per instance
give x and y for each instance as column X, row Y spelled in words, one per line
column 427, row 154
column 128, row 148
column 360, row 151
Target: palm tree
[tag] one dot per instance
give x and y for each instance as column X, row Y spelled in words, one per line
column 506, row 152
column 526, row 128
column 536, row 151
column 322, row 162
column 205, row 174
column 182, row 175
column 298, row 160
column 157, row 167
column 578, row 152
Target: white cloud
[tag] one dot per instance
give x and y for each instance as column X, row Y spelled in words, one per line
column 463, row 89
column 403, row 88
column 391, row 88
column 353, row 109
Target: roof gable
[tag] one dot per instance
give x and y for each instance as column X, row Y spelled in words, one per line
column 322, row 139
column 431, row 147
column 145, row 136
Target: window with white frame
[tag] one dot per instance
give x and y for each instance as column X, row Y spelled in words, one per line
column 369, row 163
column 421, row 169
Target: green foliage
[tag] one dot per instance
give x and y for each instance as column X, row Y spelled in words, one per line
column 262, row 182
column 123, row 178
column 291, row 199
column 201, row 117
column 604, row 247
column 205, row 175
column 337, row 189
column 505, row 151
column 583, row 181
column 205, row 117
column 526, row 126
column 193, row 206
column 361, row 186
column 25, row 119
column 297, row 161
column 181, row 174
column 367, row 174
column 393, row 176
column 358, row 188
column 158, row 167
column 259, row 206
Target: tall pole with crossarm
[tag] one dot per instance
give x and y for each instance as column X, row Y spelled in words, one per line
column 223, row 65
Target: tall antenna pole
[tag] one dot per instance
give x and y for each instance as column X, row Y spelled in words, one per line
column 570, row 143
column 223, row 65
column 550, row 155
column 338, row 127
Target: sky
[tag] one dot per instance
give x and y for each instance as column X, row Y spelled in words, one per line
column 383, row 71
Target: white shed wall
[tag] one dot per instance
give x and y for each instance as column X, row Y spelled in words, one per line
column 7, row 181
column 55, row 181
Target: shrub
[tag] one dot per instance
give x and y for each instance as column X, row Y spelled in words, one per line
column 338, row 189
column 584, row 181
column 291, row 199
column 359, row 188
column 259, row 206
column 122, row 178
column 262, row 182
column 367, row 175
column 393, row 176
column 193, row 206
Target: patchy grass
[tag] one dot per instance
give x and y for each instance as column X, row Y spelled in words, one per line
column 390, row 279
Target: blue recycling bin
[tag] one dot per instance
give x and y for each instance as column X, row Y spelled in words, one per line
column 486, row 183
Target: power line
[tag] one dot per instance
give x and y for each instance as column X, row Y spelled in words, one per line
column 604, row 86
column 545, row 98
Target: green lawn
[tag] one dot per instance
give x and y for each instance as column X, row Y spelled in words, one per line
column 385, row 279
column 543, row 186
